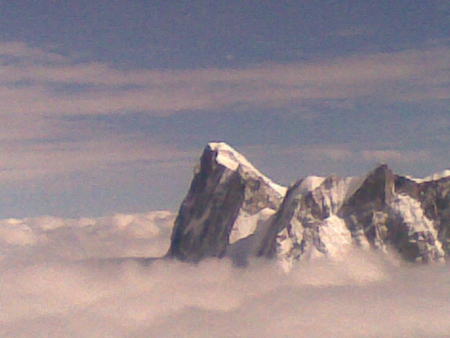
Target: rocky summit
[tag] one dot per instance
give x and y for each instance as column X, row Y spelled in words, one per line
column 234, row 210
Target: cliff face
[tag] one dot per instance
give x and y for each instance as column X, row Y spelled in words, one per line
column 307, row 224
column 434, row 198
column 227, row 201
column 233, row 209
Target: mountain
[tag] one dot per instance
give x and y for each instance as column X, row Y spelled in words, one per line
column 227, row 201
column 233, row 210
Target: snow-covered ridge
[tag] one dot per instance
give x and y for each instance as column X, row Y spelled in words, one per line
column 232, row 159
column 434, row 177
column 310, row 183
column 319, row 216
column 418, row 226
column 335, row 193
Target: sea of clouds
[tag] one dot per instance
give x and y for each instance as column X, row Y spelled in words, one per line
column 57, row 279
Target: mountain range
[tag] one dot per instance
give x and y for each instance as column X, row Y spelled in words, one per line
column 233, row 210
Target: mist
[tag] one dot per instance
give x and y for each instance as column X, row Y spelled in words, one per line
column 56, row 280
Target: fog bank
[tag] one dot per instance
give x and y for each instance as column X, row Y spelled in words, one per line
column 47, row 291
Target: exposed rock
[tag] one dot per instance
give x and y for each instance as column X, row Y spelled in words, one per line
column 341, row 212
column 232, row 209
column 366, row 211
column 307, row 225
column 227, row 201
column 434, row 196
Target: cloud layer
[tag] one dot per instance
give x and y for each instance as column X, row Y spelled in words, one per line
column 47, row 291
column 54, row 238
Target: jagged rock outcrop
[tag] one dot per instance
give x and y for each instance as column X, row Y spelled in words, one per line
column 337, row 213
column 307, row 225
column 227, row 201
column 232, row 209
column 434, row 197
column 387, row 216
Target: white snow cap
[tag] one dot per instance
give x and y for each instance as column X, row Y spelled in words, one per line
column 232, row 159
column 434, row 177
column 310, row 183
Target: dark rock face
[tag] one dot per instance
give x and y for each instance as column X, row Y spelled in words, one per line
column 231, row 207
column 375, row 192
column 280, row 221
column 404, row 185
column 208, row 212
column 434, row 197
column 224, row 189
column 366, row 211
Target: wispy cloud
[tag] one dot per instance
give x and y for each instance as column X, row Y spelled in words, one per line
column 352, row 31
column 396, row 155
column 33, row 159
column 343, row 153
column 28, row 87
column 38, row 88
column 24, row 53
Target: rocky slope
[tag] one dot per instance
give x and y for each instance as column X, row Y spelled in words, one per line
column 227, row 201
column 232, row 209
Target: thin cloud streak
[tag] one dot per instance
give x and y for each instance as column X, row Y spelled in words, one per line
column 40, row 89
column 391, row 77
column 396, row 155
column 346, row 152
column 29, row 161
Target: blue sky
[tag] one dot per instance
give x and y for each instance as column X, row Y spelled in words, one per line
column 106, row 105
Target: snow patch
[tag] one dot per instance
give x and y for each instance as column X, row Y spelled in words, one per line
column 412, row 213
column 434, row 177
column 246, row 225
column 415, row 219
column 310, row 183
column 335, row 236
column 231, row 159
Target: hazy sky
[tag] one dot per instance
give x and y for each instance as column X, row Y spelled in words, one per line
column 106, row 105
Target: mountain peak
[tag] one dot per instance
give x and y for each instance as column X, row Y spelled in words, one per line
column 227, row 201
column 230, row 158
column 233, row 210
column 378, row 187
